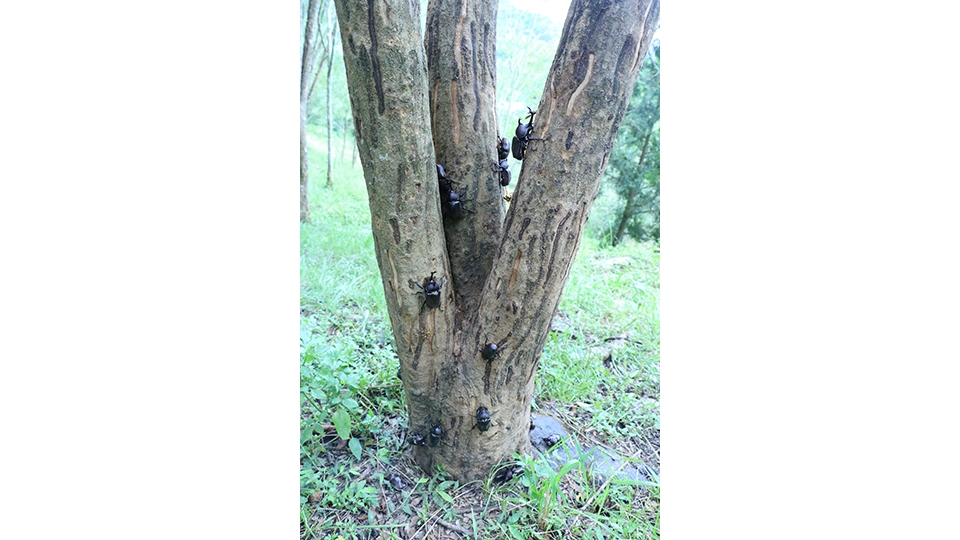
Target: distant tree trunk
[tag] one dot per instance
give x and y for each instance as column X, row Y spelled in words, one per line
column 307, row 75
column 304, row 169
column 502, row 274
column 347, row 130
column 625, row 217
column 330, row 15
column 628, row 209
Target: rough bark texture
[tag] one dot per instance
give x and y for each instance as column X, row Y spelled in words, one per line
column 527, row 257
column 387, row 80
column 584, row 99
column 461, row 61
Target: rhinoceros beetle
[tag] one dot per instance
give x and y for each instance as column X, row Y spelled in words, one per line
column 504, row 169
column 451, row 202
column 507, row 473
column 453, row 205
column 503, row 148
column 435, row 434
column 523, row 136
column 490, row 351
column 395, row 481
column 419, row 440
column 445, row 184
column 483, row 419
column 431, row 291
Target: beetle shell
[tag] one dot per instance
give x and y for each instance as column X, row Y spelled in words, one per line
column 503, row 148
column 517, row 149
column 489, row 351
column 523, row 130
column 454, row 206
column 431, row 290
column 523, row 137
column 436, row 433
column 483, row 419
column 504, row 168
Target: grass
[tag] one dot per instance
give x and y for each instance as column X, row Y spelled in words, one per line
column 353, row 412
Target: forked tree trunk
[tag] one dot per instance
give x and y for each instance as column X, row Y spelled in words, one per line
column 502, row 276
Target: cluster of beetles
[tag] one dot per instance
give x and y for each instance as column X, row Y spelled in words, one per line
column 452, row 208
column 451, row 200
column 431, row 291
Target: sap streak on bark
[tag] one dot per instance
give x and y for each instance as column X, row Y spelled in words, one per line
column 514, row 272
column 555, row 248
column 396, row 230
column 583, row 84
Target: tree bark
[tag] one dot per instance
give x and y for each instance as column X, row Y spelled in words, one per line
column 387, row 81
column 525, row 254
column 584, row 100
column 461, row 62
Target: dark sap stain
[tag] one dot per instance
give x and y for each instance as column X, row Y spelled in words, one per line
column 396, row 230
column 625, row 59
column 375, row 60
column 526, row 222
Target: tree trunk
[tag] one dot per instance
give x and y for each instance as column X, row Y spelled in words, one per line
column 307, row 74
column 502, row 276
column 304, row 169
column 330, row 15
column 625, row 217
column 462, row 70
column 343, row 141
column 628, row 210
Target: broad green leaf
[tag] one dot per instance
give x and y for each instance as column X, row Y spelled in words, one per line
column 446, row 496
column 341, row 421
column 355, row 447
column 351, row 404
